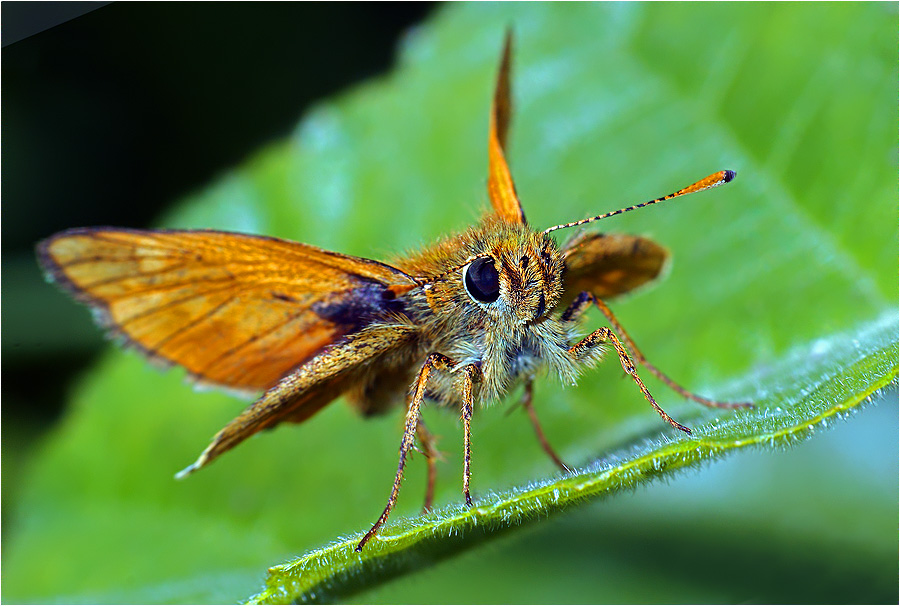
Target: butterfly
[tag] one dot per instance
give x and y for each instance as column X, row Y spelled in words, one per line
column 460, row 323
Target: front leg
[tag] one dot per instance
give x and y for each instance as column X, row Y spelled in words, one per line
column 434, row 361
column 604, row 335
column 604, row 308
column 583, row 301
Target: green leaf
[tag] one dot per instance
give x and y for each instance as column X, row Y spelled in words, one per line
column 813, row 389
column 783, row 289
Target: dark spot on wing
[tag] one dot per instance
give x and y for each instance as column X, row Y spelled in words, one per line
column 356, row 308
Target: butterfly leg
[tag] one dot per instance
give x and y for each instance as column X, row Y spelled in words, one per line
column 527, row 397
column 426, row 439
column 604, row 335
column 471, row 374
column 637, row 355
column 434, row 361
column 577, row 307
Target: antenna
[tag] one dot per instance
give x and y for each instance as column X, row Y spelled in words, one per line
column 714, row 180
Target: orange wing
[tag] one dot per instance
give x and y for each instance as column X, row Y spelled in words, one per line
column 305, row 391
column 610, row 264
column 501, row 188
column 235, row 310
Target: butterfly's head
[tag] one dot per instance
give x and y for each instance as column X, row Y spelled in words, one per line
column 518, row 280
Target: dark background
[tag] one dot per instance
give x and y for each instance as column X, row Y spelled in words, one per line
column 96, row 132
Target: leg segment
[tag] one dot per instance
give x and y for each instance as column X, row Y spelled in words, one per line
column 472, row 374
column 605, row 335
column 529, row 408
column 434, row 361
column 636, row 353
column 426, row 439
column 577, row 307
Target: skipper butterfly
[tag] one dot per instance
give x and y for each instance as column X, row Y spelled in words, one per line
column 459, row 323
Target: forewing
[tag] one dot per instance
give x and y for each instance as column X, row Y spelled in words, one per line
column 501, row 189
column 610, row 264
column 235, row 310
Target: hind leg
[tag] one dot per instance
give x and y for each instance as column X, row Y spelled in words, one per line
column 527, row 397
column 426, row 440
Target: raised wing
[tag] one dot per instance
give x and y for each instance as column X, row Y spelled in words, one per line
column 501, row 188
column 609, row 264
column 235, row 310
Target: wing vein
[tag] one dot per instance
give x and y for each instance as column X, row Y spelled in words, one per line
column 169, row 304
column 184, row 328
column 253, row 339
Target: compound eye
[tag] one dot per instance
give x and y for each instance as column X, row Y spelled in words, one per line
column 482, row 281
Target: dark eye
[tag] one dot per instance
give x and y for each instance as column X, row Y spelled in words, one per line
column 482, row 281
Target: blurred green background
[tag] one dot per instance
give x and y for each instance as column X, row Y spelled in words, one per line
column 614, row 104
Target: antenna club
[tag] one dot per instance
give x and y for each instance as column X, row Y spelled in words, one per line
column 729, row 176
